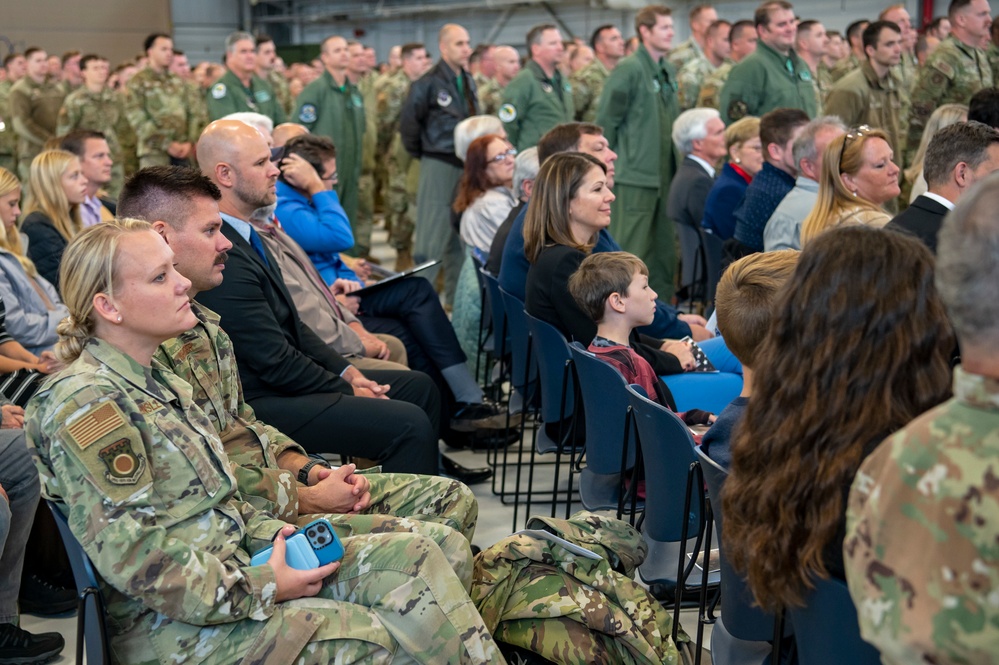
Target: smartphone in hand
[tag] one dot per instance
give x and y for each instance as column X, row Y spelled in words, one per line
column 312, row 546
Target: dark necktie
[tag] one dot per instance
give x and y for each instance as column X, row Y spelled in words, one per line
column 258, row 246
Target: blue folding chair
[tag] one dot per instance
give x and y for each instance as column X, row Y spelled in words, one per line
column 674, row 500
column 751, row 627
column 493, row 303
column 607, row 417
column 558, row 401
column 826, row 630
column 91, row 616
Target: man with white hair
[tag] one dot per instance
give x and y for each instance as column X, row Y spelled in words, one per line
column 699, row 135
column 525, row 170
column 240, row 89
column 783, row 230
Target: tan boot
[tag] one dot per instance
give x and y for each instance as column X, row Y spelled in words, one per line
column 404, row 260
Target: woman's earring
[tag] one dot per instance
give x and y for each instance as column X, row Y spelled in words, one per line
column 738, row 161
column 119, row 316
column 854, row 196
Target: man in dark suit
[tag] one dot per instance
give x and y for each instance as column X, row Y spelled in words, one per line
column 290, row 377
column 699, row 134
column 957, row 157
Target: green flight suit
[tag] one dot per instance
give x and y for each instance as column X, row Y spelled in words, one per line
column 533, row 104
column 337, row 112
column 637, row 109
column 766, row 80
column 229, row 95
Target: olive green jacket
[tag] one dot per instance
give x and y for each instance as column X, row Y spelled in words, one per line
column 532, row 104
column 766, row 80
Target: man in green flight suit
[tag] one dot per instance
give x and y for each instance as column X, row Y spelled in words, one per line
column 538, row 98
column 957, row 69
column 637, row 109
column 240, row 90
column 332, row 106
column 773, row 76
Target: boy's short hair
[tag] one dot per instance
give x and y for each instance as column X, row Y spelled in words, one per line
column 745, row 300
column 600, row 275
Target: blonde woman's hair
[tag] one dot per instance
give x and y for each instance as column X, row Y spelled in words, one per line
column 46, row 195
column 834, row 197
column 742, row 130
column 88, row 268
column 944, row 116
column 12, row 241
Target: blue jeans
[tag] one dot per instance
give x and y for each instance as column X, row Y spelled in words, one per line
column 19, row 479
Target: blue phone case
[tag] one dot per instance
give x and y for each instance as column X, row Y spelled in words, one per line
column 314, row 545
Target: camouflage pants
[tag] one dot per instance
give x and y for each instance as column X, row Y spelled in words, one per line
column 117, row 180
column 400, row 205
column 361, row 224
column 441, row 509
column 393, row 600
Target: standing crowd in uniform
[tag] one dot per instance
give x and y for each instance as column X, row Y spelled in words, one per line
column 191, row 322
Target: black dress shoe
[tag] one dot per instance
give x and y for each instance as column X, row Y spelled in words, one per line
column 468, row 476
column 487, row 414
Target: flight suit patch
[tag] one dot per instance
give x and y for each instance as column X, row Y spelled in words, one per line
column 218, row 90
column 307, row 113
column 507, row 113
column 124, row 465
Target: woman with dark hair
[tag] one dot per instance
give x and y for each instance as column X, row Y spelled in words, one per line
column 569, row 205
column 858, row 347
column 485, row 197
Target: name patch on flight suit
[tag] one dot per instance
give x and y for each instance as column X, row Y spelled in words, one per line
column 262, row 96
column 218, row 90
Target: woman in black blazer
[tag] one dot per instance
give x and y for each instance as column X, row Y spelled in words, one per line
column 56, row 189
column 569, row 205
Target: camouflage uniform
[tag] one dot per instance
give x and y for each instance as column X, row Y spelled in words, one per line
column 490, row 94
column 34, row 110
column 593, row 611
column 162, row 108
column 146, row 485
column 587, row 84
column 860, row 98
column 279, row 84
column 951, row 75
column 844, row 67
column 400, row 200
column 8, row 139
column 441, row 509
column 710, row 93
column 684, row 53
column 923, row 514
column 101, row 112
column 689, row 80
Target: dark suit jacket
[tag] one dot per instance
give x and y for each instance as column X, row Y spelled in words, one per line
column 45, row 245
column 548, row 299
column 688, row 193
column 277, row 354
column 922, row 219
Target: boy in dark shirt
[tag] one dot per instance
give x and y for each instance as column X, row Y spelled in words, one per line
column 613, row 289
column 744, row 301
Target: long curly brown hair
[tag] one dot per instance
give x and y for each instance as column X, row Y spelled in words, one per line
column 858, row 347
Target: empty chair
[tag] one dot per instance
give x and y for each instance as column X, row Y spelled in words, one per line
column 826, row 629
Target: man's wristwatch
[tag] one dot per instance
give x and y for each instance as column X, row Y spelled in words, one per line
column 303, row 473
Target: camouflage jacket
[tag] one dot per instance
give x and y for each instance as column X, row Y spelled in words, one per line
column 992, row 53
column 34, row 110
column 8, row 139
column 587, row 84
column 923, row 514
column 689, row 81
column 861, row 98
column 162, row 108
column 951, row 75
column 490, row 94
column 103, row 111
column 390, row 93
column 844, row 67
column 537, row 595
column 136, row 465
column 279, row 84
column 710, row 92
column 204, row 358
column 684, row 53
